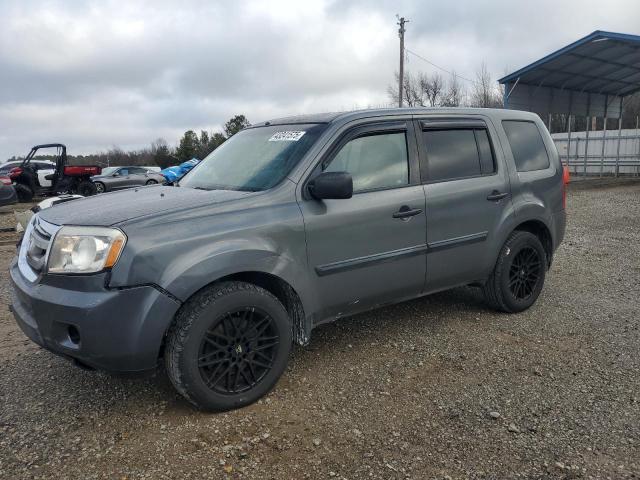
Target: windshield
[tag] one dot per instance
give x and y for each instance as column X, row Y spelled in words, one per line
column 109, row 170
column 254, row 159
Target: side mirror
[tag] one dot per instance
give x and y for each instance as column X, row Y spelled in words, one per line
column 331, row 185
column 115, row 174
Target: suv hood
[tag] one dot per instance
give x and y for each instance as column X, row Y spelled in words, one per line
column 112, row 208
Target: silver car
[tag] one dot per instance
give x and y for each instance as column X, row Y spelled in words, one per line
column 117, row 178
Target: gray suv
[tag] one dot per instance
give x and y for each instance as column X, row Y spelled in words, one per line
column 290, row 224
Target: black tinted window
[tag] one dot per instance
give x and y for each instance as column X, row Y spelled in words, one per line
column 376, row 161
column 527, row 146
column 451, row 154
column 487, row 164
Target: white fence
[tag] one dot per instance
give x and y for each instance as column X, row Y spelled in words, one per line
column 586, row 156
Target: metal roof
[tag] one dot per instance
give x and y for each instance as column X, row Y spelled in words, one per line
column 605, row 63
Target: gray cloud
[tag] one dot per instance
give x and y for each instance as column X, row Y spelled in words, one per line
column 97, row 74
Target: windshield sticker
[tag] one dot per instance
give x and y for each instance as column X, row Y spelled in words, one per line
column 290, row 136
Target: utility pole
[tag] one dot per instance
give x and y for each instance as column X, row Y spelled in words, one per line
column 401, row 30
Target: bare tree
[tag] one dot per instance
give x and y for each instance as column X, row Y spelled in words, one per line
column 454, row 95
column 412, row 95
column 484, row 93
column 419, row 90
column 432, row 88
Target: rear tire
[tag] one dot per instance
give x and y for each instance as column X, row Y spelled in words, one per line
column 518, row 277
column 86, row 188
column 151, row 182
column 24, row 193
column 228, row 346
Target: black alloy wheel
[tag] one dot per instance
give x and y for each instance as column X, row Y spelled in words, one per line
column 524, row 273
column 228, row 345
column 238, row 351
column 519, row 273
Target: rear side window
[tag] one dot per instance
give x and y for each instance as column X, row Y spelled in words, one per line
column 487, row 163
column 527, row 146
column 457, row 153
column 374, row 161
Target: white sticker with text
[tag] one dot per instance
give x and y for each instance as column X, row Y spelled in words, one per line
column 289, row 136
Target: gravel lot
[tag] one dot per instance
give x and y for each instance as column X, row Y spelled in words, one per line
column 439, row 387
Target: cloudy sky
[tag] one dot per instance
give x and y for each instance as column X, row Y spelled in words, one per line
column 94, row 74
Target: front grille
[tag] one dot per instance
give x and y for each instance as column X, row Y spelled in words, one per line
column 35, row 247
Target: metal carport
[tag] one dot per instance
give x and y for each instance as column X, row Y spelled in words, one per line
column 589, row 77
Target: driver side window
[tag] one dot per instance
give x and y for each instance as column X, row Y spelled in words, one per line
column 376, row 161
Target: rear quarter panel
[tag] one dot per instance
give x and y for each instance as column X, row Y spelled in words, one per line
column 537, row 195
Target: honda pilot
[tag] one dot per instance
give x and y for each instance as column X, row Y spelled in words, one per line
column 290, row 224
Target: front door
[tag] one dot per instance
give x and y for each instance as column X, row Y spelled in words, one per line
column 467, row 193
column 121, row 180
column 370, row 249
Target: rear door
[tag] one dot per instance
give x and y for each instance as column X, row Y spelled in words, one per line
column 137, row 176
column 370, row 249
column 467, row 195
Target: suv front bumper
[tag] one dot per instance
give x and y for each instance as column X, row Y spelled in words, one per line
column 118, row 330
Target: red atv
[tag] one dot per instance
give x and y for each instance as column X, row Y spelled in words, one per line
column 62, row 178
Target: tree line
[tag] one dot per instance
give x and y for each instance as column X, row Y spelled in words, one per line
column 191, row 145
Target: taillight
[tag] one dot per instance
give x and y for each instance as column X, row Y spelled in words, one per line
column 15, row 172
column 565, row 182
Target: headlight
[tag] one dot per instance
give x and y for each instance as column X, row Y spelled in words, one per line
column 85, row 249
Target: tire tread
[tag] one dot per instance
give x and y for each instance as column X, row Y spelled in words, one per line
column 492, row 290
column 188, row 313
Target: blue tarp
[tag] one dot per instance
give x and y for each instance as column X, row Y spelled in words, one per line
column 175, row 173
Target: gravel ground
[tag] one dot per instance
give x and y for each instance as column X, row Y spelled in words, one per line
column 439, row 387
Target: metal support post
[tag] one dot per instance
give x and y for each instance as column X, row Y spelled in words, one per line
column 586, row 145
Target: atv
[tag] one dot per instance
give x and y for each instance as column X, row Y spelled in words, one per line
column 74, row 179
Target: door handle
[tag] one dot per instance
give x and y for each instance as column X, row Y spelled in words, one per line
column 496, row 196
column 406, row 212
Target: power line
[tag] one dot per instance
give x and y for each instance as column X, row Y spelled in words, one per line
column 439, row 67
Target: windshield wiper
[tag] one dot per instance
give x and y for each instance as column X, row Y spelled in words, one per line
column 227, row 187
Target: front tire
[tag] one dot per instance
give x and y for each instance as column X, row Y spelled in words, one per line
column 24, row 193
column 518, row 277
column 228, row 346
column 86, row 188
column 100, row 188
column 151, row 182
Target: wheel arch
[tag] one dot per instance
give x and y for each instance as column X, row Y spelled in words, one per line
column 284, row 292
column 275, row 284
column 541, row 230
